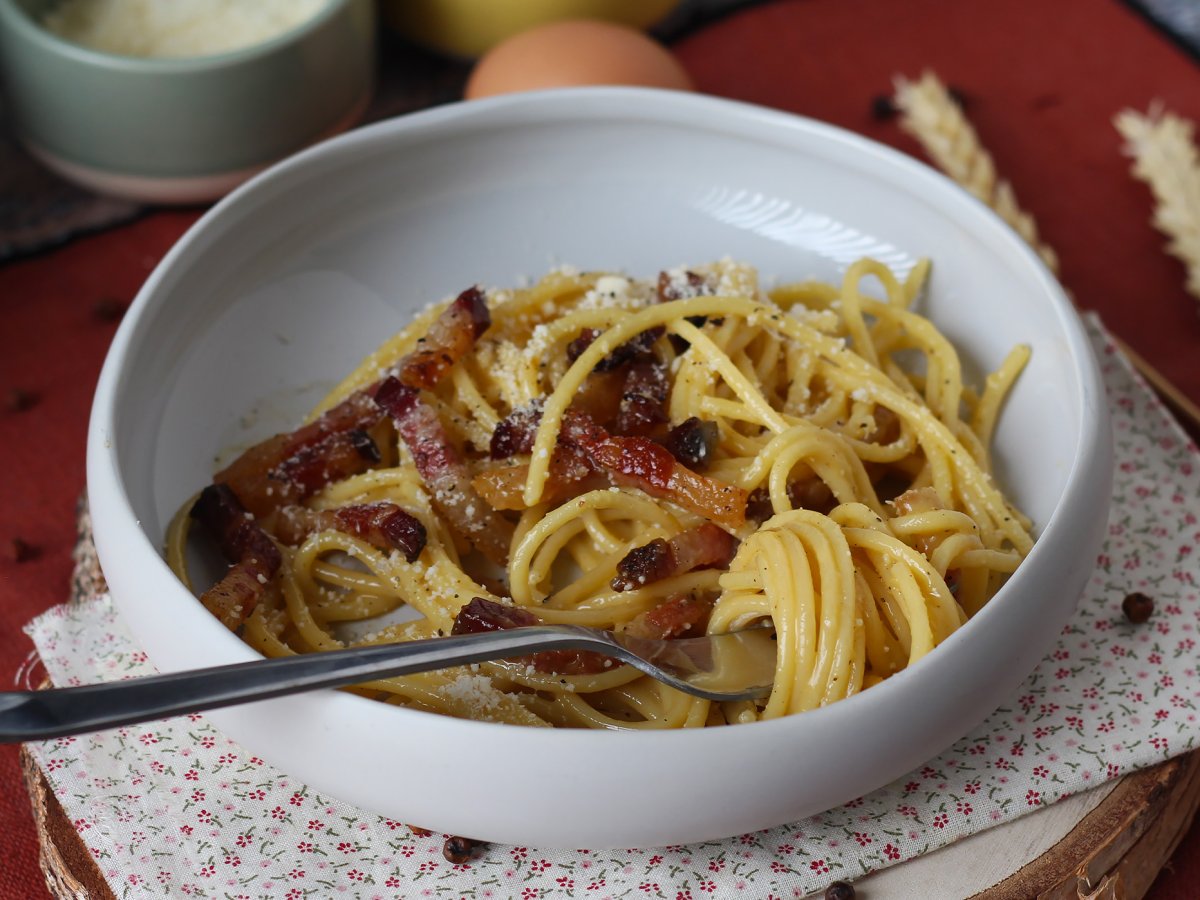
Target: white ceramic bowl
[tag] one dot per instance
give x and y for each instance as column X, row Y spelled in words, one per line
column 281, row 288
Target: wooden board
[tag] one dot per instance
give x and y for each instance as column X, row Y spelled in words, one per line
column 1108, row 844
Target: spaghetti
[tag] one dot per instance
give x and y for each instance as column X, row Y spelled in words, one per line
column 696, row 454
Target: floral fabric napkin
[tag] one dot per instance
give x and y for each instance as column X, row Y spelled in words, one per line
column 176, row 809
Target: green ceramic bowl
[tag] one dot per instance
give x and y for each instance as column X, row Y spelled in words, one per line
column 183, row 130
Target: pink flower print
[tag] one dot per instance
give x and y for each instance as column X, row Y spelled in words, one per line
column 149, row 738
column 519, row 852
column 186, row 829
column 295, row 874
column 305, row 847
column 1158, row 743
column 683, row 895
column 716, row 865
column 530, row 893
column 1167, row 681
column 134, row 878
column 566, row 883
column 243, row 839
column 255, row 761
column 596, row 885
column 1161, row 714
column 972, row 787
column 539, row 865
column 407, row 850
column 1033, row 798
column 233, row 860
column 891, row 851
column 648, row 887
column 315, row 825
column 863, row 838
column 392, row 882
column 819, row 866
column 655, row 860
column 208, row 871
column 296, row 799
column 278, row 812
column 191, row 775
column 912, row 786
column 259, row 794
column 940, row 820
column 208, row 742
column 1040, row 772
column 355, row 875
column 778, row 867
column 346, row 847
column 204, row 816
column 428, row 866
column 293, row 894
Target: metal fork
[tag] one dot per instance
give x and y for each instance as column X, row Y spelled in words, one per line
column 735, row 666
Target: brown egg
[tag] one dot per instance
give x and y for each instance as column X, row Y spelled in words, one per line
column 580, row 52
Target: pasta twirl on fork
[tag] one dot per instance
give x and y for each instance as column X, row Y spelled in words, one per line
column 666, row 458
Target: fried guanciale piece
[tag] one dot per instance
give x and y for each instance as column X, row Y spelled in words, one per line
column 681, row 616
column 696, row 548
column 384, row 525
column 487, row 615
column 640, row 347
column 643, row 409
column 641, row 463
column 255, row 558
column 443, row 470
column 451, row 335
column 569, row 475
column 693, row 442
column 807, row 492
column 288, row 467
column 515, row 433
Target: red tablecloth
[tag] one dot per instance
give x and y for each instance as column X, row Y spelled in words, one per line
column 1042, row 82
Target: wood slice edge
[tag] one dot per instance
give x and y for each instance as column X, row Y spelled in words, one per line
column 1131, row 833
column 66, row 864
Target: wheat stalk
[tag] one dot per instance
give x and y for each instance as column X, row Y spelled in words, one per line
column 930, row 114
column 1164, row 156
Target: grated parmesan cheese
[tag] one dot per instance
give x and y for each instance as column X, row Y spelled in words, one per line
column 175, row 28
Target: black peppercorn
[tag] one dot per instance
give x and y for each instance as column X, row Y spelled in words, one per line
column 20, row 550
column 1137, row 607
column 459, row 849
column 883, row 108
column 19, row 400
column 108, row 309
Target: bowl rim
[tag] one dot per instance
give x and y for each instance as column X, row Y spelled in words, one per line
column 31, row 30
column 1089, row 469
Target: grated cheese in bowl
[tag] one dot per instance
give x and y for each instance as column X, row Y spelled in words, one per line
column 175, row 28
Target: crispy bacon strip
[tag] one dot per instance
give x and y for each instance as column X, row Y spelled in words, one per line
column 695, row 548
column 262, row 477
column 486, row 615
column 570, row 474
column 384, row 525
column 680, row 616
column 254, row 555
column 451, row 335
column 443, row 471
column 641, row 463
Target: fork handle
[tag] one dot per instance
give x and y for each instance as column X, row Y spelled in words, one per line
column 57, row 712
